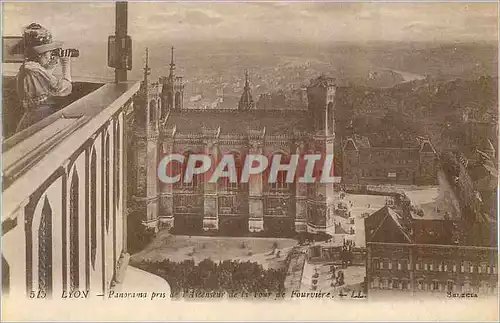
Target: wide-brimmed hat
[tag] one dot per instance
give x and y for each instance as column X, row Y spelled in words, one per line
column 39, row 39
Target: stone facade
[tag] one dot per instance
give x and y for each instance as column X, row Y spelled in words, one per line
column 364, row 164
column 423, row 256
column 431, row 269
column 233, row 208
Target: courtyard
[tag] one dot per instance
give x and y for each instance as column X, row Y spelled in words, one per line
column 269, row 252
column 435, row 202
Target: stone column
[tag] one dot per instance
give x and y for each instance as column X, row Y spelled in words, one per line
column 152, row 180
column 255, row 202
column 325, row 196
column 211, row 211
column 166, row 214
column 300, row 197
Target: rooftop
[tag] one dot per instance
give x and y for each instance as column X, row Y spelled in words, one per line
column 275, row 122
column 358, row 142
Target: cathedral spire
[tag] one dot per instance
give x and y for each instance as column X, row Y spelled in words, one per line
column 247, row 85
column 172, row 64
column 147, row 72
column 246, row 100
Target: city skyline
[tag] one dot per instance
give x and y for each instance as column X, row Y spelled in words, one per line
column 265, row 21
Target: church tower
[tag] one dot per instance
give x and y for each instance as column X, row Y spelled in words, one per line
column 321, row 197
column 246, row 100
column 146, row 132
column 173, row 90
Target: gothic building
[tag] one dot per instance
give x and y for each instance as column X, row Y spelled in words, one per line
column 363, row 163
column 172, row 92
column 163, row 126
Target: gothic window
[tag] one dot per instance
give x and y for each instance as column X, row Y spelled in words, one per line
column 152, row 110
column 277, row 205
column 280, row 183
column 225, row 183
column 376, row 263
column 73, row 232
column 196, row 180
column 45, row 249
column 93, row 208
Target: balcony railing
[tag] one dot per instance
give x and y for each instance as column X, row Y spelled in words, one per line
column 64, row 199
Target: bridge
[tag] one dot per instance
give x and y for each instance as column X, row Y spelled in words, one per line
column 64, row 225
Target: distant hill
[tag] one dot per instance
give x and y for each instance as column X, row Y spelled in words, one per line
column 424, row 107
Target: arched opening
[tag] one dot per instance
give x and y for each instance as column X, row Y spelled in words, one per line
column 233, row 201
column 106, row 181
column 73, row 231
column 224, row 183
column 279, row 183
column 45, row 249
column 93, row 208
column 116, row 180
column 152, row 110
column 117, row 168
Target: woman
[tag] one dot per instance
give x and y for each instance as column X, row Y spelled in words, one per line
column 36, row 86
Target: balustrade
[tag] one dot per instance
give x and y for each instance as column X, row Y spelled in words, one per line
column 64, row 199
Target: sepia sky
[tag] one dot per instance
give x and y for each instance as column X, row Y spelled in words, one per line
column 259, row 21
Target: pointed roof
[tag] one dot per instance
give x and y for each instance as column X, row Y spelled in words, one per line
column 246, row 100
column 147, row 70
column 386, row 225
column 356, row 142
column 426, row 147
column 172, row 64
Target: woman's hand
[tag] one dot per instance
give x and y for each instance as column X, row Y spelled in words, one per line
column 65, row 57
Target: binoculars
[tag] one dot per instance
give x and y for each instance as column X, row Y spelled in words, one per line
column 60, row 51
